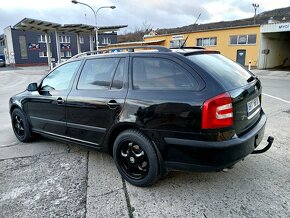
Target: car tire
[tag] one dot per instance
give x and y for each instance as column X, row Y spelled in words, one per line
column 136, row 158
column 20, row 125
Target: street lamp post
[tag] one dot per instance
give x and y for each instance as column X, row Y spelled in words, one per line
column 96, row 18
column 96, row 14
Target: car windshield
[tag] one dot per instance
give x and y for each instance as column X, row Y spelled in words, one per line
column 231, row 74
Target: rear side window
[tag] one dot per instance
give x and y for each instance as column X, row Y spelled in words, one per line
column 161, row 74
column 225, row 70
column 98, row 73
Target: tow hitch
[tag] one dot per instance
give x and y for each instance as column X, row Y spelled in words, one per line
column 270, row 142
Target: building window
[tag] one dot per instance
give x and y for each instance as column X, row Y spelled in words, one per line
column 243, row 39
column 82, row 40
column 23, row 47
column 211, row 41
column 65, row 54
column 177, row 43
column 64, row 39
column 252, row 39
column 68, row 54
column 41, row 38
column 43, row 54
column 106, row 40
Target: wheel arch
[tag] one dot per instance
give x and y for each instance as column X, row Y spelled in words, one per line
column 113, row 134
column 14, row 106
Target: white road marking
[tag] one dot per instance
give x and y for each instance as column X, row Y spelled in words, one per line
column 271, row 96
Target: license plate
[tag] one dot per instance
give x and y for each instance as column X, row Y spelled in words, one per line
column 251, row 105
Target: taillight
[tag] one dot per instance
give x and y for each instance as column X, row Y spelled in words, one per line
column 217, row 112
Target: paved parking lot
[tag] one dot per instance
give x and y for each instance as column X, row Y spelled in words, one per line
column 45, row 178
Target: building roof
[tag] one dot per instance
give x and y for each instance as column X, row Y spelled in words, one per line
column 279, row 15
column 137, row 43
column 36, row 25
column 130, row 44
column 44, row 26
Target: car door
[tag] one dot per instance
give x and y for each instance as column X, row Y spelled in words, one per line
column 96, row 100
column 46, row 107
column 165, row 95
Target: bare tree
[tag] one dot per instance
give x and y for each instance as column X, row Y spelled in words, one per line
column 137, row 34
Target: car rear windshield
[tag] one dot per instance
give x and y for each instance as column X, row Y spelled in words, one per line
column 229, row 73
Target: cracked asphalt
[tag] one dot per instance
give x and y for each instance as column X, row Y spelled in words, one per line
column 46, row 178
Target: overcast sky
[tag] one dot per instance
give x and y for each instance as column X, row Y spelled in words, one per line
column 157, row 13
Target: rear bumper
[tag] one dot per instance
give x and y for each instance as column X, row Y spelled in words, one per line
column 183, row 154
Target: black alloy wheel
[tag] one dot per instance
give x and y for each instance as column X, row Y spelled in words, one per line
column 136, row 158
column 133, row 160
column 20, row 125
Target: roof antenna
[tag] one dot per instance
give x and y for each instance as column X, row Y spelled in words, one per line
column 188, row 34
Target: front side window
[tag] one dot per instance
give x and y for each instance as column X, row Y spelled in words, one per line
column 161, row 74
column 60, row 78
column 98, row 73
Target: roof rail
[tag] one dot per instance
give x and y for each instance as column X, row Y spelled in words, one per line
column 122, row 49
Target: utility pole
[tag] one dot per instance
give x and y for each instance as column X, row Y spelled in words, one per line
column 255, row 7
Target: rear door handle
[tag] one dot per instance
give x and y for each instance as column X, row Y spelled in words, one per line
column 113, row 104
column 59, row 101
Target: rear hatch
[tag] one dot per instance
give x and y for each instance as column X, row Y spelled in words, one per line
column 244, row 88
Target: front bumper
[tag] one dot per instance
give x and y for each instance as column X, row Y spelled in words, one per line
column 184, row 154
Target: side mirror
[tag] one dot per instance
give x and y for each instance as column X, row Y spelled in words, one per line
column 32, row 87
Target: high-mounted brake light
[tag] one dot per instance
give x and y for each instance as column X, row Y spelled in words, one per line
column 217, row 112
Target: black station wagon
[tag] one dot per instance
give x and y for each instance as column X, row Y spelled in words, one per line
column 153, row 111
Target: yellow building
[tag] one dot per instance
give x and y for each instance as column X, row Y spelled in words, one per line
column 240, row 43
column 264, row 45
